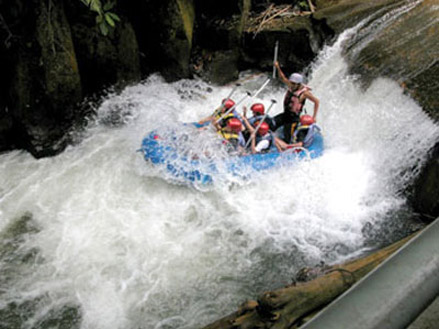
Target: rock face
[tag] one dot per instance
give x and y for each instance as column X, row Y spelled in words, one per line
column 216, row 55
column 405, row 48
column 111, row 60
column 425, row 196
column 300, row 41
column 44, row 80
column 397, row 51
column 164, row 33
column 48, row 64
column 175, row 32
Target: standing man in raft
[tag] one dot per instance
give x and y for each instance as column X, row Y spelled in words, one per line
column 294, row 101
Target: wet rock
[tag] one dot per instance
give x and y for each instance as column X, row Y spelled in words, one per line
column 221, row 67
column 300, row 39
column 44, row 80
column 220, row 24
column 104, row 61
column 425, row 197
column 176, row 38
column 19, row 261
column 218, row 35
column 164, row 32
column 6, row 129
column 403, row 46
column 340, row 15
column 14, row 257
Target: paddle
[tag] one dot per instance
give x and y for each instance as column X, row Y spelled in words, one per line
column 259, row 90
column 248, row 94
column 276, row 50
column 273, row 101
column 237, row 85
column 233, row 91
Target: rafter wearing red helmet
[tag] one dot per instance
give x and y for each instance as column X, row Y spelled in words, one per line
column 232, row 134
column 218, row 117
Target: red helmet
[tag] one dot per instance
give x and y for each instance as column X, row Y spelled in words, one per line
column 258, row 108
column 228, row 103
column 263, row 129
column 306, row 120
column 234, row 124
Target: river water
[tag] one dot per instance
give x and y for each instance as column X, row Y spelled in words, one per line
column 97, row 238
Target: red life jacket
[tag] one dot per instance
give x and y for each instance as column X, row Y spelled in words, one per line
column 292, row 102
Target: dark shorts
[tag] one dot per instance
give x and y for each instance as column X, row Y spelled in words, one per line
column 289, row 121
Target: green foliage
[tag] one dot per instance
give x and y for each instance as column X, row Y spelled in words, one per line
column 303, row 5
column 105, row 19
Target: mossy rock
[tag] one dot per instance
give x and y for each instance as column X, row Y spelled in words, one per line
column 340, row 15
column 18, row 261
column 103, row 60
column 403, row 48
column 15, row 315
column 176, row 36
column 426, row 188
column 106, row 60
column 222, row 67
column 299, row 43
column 45, row 83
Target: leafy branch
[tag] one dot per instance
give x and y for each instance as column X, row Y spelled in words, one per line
column 105, row 19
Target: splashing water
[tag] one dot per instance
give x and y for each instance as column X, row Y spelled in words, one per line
column 108, row 241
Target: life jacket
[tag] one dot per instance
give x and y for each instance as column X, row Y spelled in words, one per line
column 269, row 136
column 309, row 137
column 269, row 120
column 255, row 118
column 292, row 102
column 218, row 115
column 231, row 138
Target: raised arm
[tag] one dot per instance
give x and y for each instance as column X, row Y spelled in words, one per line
column 247, row 124
column 281, row 74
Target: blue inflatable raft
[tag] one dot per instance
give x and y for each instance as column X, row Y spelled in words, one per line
column 160, row 152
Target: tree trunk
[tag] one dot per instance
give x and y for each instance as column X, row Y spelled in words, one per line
column 287, row 307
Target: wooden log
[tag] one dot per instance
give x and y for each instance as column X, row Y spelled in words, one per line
column 285, row 307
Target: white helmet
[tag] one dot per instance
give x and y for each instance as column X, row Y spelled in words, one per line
column 296, row 78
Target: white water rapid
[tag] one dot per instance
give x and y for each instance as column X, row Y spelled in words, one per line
column 115, row 244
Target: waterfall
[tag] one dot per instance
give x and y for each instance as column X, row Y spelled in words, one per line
column 97, row 238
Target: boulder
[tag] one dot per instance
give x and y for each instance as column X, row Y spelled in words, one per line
column 103, row 60
column 425, row 197
column 340, row 15
column 298, row 44
column 218, row 36
column 176, row 35
column 221, row 67
column 404, row 46
column 44, row 80
column 164, row 32
column 300, row 38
